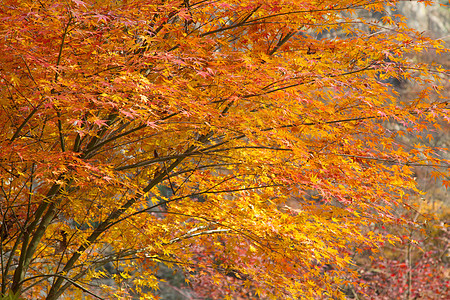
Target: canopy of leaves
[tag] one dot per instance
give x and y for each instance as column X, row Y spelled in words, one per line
column 225, row 137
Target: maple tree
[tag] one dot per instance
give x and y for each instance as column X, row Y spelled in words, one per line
column 194, row 134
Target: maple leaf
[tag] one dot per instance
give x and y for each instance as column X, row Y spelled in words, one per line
column 79, row 3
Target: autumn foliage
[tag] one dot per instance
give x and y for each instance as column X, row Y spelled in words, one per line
column 416, row 267
column 240, row 142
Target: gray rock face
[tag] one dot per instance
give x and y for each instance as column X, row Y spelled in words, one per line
column 434, row 20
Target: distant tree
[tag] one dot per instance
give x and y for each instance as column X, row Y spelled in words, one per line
column 416, row 267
